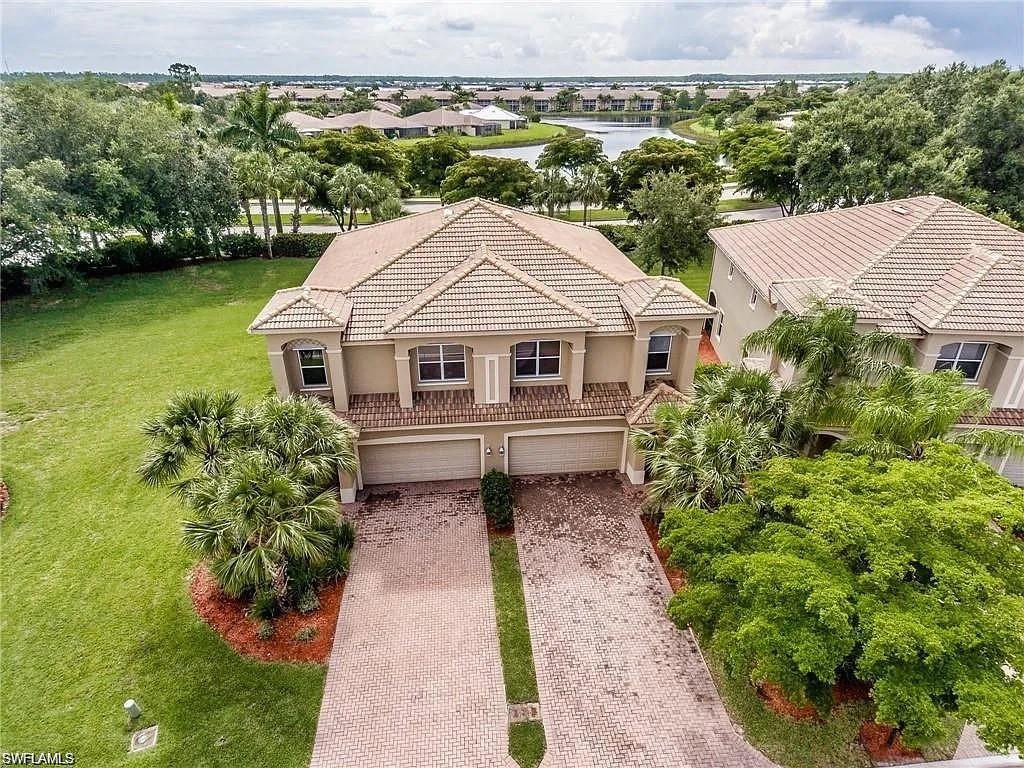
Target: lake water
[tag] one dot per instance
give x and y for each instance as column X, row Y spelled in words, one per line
column 617, row 134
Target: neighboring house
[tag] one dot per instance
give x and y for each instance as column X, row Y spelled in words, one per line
column 497, row 116
column 443, row 120
column 388, row 124
column 478, row 337
column 948, row 279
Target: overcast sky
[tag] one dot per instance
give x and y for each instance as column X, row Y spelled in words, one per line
column 508, row 38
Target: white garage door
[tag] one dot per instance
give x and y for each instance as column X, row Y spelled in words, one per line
column 1011, row 467
column 415, row 462
column 578, row 452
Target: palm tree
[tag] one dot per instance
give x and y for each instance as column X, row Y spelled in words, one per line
column 257, row 123
column 259, row 482
column 300, row 175
column 551, row 191
column 384, row 200
column 908, row 408
column 255, row 175
column 351, row 187
column 590, row 187
column 826, row 350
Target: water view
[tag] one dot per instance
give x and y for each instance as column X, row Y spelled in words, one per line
column 617, row 133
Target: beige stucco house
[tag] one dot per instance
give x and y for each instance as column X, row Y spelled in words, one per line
column 947, row 278
column 478, row 337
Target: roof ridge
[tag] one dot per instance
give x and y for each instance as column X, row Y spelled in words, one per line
column 969, row 285
column 301, row 295
column 898, row 242
column 445, row 222
column 457, row 273
column 522, row 227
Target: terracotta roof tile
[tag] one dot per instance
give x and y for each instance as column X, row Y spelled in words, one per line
column 303, row 308
column 654, row 297
column 660, row 393
column 1004, row 417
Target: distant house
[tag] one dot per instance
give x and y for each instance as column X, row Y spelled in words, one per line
column 392, row 126
column 387, row 106
column 443, row 120
column 949, row 280
column 496, row 115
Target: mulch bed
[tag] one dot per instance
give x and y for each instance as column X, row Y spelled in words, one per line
column 676, row 577
column 775, row 700
column 874, row 738
column 229, row 619
column 851, row 690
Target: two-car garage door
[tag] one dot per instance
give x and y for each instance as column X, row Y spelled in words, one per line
column 420, row 461
column 575, row 452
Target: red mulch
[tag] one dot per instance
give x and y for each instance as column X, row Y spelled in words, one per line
column 706, row 353
column 228, row 618
column 874, row 736
column 852, row 690
column 775, row 700
column 676, row 577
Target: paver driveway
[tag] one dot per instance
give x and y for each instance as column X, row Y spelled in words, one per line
column 414, row 677
column 619, row 684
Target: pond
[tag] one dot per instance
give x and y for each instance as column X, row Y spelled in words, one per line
column 617, row 133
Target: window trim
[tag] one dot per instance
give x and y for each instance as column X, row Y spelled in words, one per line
column 302, row 369
column 420, row 381
column 956, row 359
column 721, row 322
column 537, row 357
column 753, row 297
column 668, row 354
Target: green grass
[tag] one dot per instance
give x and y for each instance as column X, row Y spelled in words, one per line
column 694, row 129
column 831, row 743
column 525, row 740
column 697, row 277
column 743, row 204
column 534, row 133
column 594, row 214
column 95, row 603
column 526, row 743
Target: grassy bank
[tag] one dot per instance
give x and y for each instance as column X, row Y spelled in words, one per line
column 693, row 129
column 526, row 740
column 534, row 133
column 96, row 608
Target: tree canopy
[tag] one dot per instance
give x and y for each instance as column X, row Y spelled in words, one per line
column 675, row 217
column 570, row 153
column 431, row 158
column 501, row 179
column 766, row 168
column 364, row 147
column 697, row 163
column 905, row 575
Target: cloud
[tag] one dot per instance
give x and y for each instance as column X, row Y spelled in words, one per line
column 459, row 25
column 527, row 50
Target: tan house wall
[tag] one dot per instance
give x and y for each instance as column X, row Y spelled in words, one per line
column 607, row 359
column 1002, row 372
column 371, row 368
column 737, row 319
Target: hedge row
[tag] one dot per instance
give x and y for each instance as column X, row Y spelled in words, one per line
column 301, row 245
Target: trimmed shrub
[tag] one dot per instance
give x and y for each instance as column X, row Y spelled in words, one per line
column 309, row 602
column 496, row 496
column 242, row 246
column 265, row 630
column 301, row 245
column 305, row 634
column 265, row 605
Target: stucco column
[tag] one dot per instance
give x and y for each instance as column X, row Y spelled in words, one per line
column 687, row 361
column 279, row 371
column 634, row 465
column 579, row 352
column 339, row 387
column 404, row 377
column 638, row 365
column 347, row 484
column 1008, row 390
column 504, row 377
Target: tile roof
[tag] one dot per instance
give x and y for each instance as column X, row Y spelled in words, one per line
column 448, row 407
column 654, row 297
column 659, row 394
column 385, row 266
column 305, row 308
column 924, row 261
column 486, row 293
column 1003, row 417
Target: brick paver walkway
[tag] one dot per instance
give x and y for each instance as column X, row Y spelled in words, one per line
column 414, row 677
column 620, row 685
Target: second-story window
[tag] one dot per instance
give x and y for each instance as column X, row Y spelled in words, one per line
column 537, row 358
column 441, row 363
column 753, row 298
column 659, row 350
column 312, row 368
column 964, row 356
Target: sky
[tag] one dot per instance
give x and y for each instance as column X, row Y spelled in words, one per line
column 508, row 38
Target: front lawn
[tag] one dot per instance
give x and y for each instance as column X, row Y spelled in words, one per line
column 534, row 133
column 95, row 607
column 696, row 130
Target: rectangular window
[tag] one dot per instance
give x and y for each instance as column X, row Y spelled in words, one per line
column 659, row 350
column 721, row 324
column 964, row 356
column 732, row 271
column 535, row 359
column 753, row 297
column 441, row 363
column 312, row 368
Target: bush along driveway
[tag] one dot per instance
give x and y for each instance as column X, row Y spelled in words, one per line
column 619, row 683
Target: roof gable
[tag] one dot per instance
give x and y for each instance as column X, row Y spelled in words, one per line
column 662, row 297
column 304, row 308
column 486, row 293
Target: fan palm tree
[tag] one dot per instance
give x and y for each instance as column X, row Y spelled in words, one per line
column 908, row 408
column 351, row 187
column 826, row 350
column 551, row 191
column 259, row 482
column 255, row 175
column 300, row 175
column 590, row 187
column 257, row 123
column 384, row 200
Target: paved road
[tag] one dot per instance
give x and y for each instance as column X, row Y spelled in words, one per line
column 620, row 685
column 414, row 679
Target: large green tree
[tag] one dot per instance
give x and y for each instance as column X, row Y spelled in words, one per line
column 551, row 191
column 501, row 179
column 431, row 158
column 674, row 220
column 371, row 151
column 590, row 187
column 570, row 153
column 657, row 154
column 766, row 168
column 906, row 575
